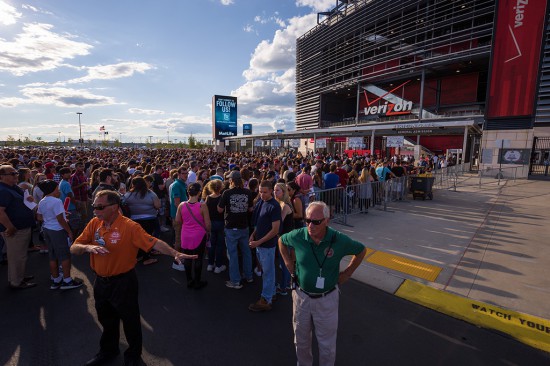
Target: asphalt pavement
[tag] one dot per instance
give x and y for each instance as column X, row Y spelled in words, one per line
column 214, row 327
column 489, row 243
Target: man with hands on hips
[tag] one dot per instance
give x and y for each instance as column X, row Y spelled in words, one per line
column 113, row 242
column 313, row 255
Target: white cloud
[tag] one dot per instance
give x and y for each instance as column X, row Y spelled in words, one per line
column 108, row 72
column 227, row 2
column 275, row 19
column 29, row 7
column 149, row 112
column 249, row 28
column 8, row 14
column 279, row 54
column 269, row 91
column 317, row 5
column 37, row 48
column 60, row 97
column 35, row 9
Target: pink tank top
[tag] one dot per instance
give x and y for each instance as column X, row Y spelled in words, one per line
column 192, row 233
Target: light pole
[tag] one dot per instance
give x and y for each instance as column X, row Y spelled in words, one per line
column 80, row 129
column 59, row 137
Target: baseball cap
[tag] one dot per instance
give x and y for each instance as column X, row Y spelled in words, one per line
column 235, row 174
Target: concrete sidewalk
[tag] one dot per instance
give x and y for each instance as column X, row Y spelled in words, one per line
column 491, row 243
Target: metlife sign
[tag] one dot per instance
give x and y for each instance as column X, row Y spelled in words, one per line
column 224, row 116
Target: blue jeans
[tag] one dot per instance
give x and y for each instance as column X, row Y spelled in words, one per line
column 285, row 274
column 266, row 256
column 238, row 239
column 217, row 244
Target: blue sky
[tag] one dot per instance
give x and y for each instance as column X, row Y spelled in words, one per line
column 147, row 68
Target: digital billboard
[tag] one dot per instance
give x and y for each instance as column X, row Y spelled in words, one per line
column 247, row 129
column 224, row 116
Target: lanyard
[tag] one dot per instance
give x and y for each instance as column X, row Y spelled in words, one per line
column 324, row 259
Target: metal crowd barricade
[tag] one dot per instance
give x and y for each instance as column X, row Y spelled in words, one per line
column 490, row 174
column 358, row 198
column 335, row 198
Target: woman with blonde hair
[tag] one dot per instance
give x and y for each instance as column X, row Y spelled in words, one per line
column 287, row 225
column 365, row 189
column 37, row 193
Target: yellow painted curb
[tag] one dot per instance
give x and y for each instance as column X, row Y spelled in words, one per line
column 415, row 268
column 525, row 328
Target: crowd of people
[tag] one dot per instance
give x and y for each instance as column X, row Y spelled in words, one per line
column 153, row 183
column 233, row 208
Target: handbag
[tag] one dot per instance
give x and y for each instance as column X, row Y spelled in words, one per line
column 201, row 224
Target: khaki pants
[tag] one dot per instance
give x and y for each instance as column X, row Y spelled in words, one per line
column 17, row 246
column 323, row 312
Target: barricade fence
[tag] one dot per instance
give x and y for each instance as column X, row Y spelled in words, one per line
column 358, row 198
column 498, row 174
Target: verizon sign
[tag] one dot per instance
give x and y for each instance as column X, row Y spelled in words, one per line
column 392, row 104
column 389, row 109
column 515, row 58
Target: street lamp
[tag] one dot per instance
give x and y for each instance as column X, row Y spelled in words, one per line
column 80, row 128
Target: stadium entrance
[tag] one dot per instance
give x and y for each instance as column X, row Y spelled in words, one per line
column 540, row 159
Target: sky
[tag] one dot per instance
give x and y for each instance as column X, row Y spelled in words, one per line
column 148, row 67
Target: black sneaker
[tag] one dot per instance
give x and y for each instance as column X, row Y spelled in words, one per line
column 75, row 283
column 55, row 285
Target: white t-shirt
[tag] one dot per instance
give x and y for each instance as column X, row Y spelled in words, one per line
column 49, row 207
column 192, row 177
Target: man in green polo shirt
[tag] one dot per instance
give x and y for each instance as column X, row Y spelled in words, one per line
column 318, row 250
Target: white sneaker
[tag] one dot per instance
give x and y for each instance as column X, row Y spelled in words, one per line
column 210, row 267
column 164, row 229
column 220, row 269
column 178, row 267
column 258, row 272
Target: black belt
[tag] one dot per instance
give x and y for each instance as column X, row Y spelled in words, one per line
column 113, row 278
column 317, row 295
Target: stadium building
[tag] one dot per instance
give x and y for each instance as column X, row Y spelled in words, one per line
column 467, row 77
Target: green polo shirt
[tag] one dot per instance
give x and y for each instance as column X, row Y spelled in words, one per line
column 307, row 267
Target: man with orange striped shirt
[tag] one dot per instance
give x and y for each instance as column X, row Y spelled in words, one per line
column 112, row 241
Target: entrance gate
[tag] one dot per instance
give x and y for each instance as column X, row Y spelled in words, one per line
column 540, row 159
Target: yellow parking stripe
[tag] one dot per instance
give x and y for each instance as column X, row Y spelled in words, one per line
column 405, row 265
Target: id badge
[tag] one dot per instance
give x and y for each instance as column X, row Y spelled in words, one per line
column 320, row 282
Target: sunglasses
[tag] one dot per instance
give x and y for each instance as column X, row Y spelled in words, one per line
column 314, row 222
column 13, row 174
column 102, row 207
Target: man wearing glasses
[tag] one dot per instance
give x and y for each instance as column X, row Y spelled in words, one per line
column 112, row 241
column 178, row 194
column 318, row 250
column 16, row 220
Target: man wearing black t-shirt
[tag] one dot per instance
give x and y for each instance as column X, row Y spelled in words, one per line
column 236, row 202
column 266, row 220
